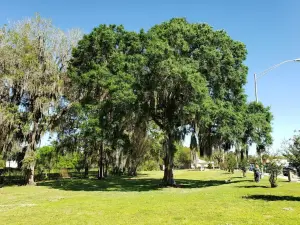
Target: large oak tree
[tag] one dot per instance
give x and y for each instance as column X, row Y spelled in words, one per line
column 177, row 73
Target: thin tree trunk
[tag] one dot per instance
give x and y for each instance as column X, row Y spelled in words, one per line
column 86, row 165
column 200, row 143
column 262, row 166
column 201, row 150
column 86, row 170
column 100, row 171
column 244, row 173
column 208, row 150
column 223, row 156
column 106, row 166
column 193, row 148
column 289, row 175
column 194, row 157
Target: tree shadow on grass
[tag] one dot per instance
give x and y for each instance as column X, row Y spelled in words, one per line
column 273, row 197
column 183, row 183
column 126, row 184
column 253, row 186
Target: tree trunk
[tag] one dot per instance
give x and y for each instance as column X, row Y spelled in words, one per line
column 106, row 166
column 169, row 176
column 86, row 165
column 223, row 156
column 193, row 148
column 209, row 147
column 262, row 166
column 100, row 171
column 260, row 157
column 244, row 173
column 201, row 150
column 200, row 143
column 31, row 175
column 242, row 155
column 194, row 158
column 273, row 179
column 86, row 170
column 29, row 154
column 29, row 167
column 132, row 171
column 169, row 161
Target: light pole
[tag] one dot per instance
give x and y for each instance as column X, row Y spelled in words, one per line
column 258, row 75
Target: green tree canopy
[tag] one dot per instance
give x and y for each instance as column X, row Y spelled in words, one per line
column 176, row 74
column 292, row 151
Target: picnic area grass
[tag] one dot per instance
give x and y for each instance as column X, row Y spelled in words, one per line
column 202, row 198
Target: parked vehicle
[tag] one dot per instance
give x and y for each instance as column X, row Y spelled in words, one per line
column 286, row 169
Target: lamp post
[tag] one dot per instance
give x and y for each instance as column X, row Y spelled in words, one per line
column 258, row 75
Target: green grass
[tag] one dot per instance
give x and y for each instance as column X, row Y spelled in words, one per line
column 203, row 198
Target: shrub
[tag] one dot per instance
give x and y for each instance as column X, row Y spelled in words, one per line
column 244, row 166
column 69, row 161
column 223, row 166
column 230, row 162
column 275, row 170
column 45, row 159
column 217, row 157
column 149, row 165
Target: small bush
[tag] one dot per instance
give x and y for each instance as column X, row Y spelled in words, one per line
column 275, row 170
column 45, row 159
column 70, row 160
column 149, row 165
column 223, row 166
column 217, row 157
column 244, row 166
column 230, row 162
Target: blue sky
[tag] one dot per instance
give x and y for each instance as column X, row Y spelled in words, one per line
column 270, row 29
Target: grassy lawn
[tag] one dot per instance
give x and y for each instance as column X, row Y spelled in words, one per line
column 203, row 198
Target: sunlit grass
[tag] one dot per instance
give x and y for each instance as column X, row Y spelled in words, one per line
column 203, row 198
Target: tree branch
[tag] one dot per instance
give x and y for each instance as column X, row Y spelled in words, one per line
column 161, row 126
